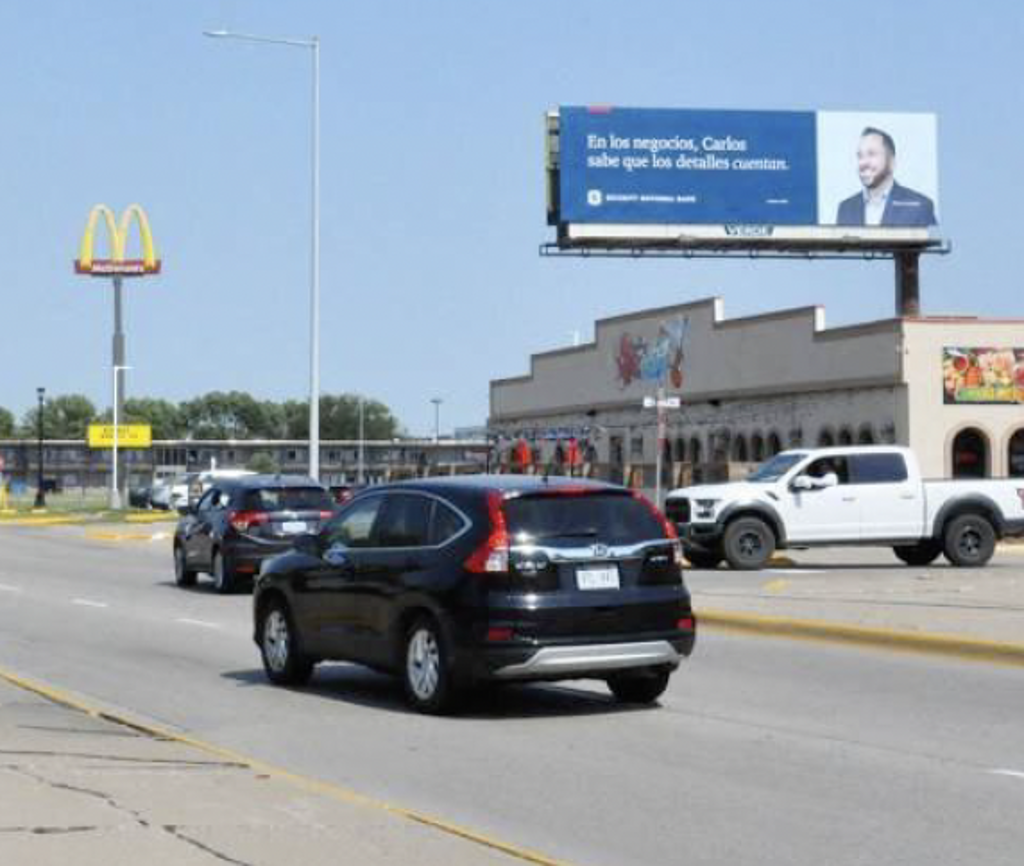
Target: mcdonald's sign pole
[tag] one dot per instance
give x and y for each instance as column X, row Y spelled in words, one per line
column 117, row 267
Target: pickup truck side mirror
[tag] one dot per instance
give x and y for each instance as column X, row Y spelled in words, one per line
column 809, row 482
column 801, row 483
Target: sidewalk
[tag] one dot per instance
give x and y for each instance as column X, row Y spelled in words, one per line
column 75, row 788
column 865, row 596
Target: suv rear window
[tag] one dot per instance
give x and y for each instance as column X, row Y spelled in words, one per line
column 289, row 499
column 605, row 518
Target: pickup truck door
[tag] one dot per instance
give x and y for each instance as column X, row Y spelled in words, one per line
column 891, row 498
column 825, row 513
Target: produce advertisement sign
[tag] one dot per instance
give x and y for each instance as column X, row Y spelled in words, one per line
column 983, row 375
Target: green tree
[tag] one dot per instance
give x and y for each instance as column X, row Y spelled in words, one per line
column 339, row 418
column 162, row 415
column 6, row 424
column 231, row 415
column 65, row 417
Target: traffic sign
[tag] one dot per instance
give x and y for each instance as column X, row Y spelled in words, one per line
column 663, row 403
column 128, row 435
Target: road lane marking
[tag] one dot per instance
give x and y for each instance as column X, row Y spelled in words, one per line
column 306, row 783
column 5, row 588
column 794, row 571
column 1016, row 774
column 199, row 622
column 86, row 602
column 776, row 585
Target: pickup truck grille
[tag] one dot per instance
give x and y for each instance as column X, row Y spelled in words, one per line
column 678, row 510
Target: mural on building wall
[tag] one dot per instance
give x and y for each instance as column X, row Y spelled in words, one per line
column 982, row 375
column 660, row 360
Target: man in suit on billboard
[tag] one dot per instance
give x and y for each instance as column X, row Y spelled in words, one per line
column 882, row 201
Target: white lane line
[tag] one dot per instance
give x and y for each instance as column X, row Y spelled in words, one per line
column 86, row 602
column 5, row 588
column 1016, row 774
column 199, row 622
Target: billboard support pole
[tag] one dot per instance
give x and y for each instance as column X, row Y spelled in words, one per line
column 908, row 284
column 116, row 498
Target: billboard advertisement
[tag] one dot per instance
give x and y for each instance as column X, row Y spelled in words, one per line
column 982, row 375
column 845, row 171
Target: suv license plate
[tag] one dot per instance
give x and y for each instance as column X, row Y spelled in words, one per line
column 293, row 527
column 606, row 577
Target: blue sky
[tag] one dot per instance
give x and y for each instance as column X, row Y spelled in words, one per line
column 432, row 185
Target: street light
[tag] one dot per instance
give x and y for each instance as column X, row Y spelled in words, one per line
column 361, row 477
column 437, row 401
column 115, row 490
column 314, row 317
column 40, row 495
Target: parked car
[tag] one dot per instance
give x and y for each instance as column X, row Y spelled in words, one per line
column 139, row 497
column 449, row 582
column 238, row 522
column 843, row 496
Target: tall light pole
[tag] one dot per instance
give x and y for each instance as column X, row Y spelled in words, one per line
column 361, row 477
column 115, row 490
column 437, row 401
column 313, row 44
column 40, row 494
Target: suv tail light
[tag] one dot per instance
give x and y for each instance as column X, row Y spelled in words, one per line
column 492, row 555
column 242, row 520
column 666, row 524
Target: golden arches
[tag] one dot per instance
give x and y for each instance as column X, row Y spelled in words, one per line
column 118, row 233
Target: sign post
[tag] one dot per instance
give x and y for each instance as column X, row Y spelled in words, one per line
column 117, row 267
column 660, row 403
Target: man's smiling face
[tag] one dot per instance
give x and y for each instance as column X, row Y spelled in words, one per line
column 874, row 162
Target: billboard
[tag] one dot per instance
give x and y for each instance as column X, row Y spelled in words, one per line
column 982, row 375
column 648, row 174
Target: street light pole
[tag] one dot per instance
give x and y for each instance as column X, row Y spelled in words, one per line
column 361, row 477
column 40, row 495
column 437, row 401
column 314, row 315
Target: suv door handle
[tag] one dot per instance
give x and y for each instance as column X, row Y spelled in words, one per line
column 849, row 499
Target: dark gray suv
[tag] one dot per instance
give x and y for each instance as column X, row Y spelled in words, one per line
column 239, row 522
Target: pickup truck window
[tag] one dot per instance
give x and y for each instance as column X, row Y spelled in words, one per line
column 825, row 465
column 878, row 468
column 775, row 468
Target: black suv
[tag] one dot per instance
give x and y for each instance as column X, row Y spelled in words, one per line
column 241, row 521
column 455, row 581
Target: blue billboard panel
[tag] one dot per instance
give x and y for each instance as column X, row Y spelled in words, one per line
column 656, row 166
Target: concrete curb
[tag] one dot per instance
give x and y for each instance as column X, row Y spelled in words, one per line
column 953, row 646
column 307, row 783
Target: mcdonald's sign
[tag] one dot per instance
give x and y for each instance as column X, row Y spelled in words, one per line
column 117, row 265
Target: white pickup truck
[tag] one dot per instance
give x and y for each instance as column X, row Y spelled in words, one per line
column 858, row 495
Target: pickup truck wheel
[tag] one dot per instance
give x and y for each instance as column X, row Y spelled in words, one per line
column 704, row 558
column 748, row 543
column 922, row 553
column 969, row 540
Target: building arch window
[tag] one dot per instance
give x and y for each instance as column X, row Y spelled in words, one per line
column 826, row 439
column 845, row 436
column 757, row 448
column 866, row 436
column 739, row 448
column 970, row 454
column 774, row 444
column 1015, row 455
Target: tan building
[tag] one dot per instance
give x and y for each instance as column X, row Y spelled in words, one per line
column 950, row 388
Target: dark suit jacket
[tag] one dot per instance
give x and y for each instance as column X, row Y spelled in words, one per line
column 904, row 208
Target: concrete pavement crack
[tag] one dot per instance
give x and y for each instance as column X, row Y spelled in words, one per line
column 176, row 832
column 22, row 753
column 48, row 831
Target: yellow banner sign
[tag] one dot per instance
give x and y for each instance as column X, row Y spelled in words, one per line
column 128, row 435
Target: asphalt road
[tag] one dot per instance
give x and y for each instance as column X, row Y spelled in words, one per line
column 764, row 751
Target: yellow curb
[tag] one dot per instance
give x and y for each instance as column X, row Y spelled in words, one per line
column 336, row 792
column 39, row 521
column 971, row 649
column 779, row 561
column 150, row 518
column 104, row 535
